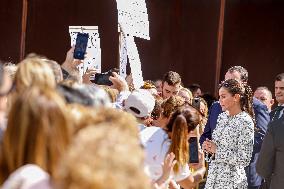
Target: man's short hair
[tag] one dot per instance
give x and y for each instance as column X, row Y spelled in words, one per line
column 279, row 77
column 194, row 87
column 172, row 78
column 266, row 89
column 243, row 72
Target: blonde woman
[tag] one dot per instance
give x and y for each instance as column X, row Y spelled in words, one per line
column 38, row 132
column 103, row 156
column 34, row 71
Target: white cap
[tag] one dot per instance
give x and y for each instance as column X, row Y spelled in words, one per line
column 140, row 103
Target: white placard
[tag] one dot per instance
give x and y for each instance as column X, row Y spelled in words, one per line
column 133, row 17
column 135, row 63
column 93, row 52
column 123, row 56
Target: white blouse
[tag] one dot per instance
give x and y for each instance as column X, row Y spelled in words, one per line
column 234, row 137
column 156, row 143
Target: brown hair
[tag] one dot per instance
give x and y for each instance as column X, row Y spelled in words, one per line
column 37, row 132
column 246, row 101
column 172, row 78
column 172, row 104
column 148, row 84
column 181, row 123
column 157, row 111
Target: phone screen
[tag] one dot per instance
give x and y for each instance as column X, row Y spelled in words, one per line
column 81, row 46
column 193, row 150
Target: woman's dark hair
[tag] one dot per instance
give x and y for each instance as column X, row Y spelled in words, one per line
column 182, row 121
column 235, row 87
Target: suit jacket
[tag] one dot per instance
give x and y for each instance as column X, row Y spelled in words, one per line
column 213, row 114
column 270, row 164
column 272, row 114
column 262, row 119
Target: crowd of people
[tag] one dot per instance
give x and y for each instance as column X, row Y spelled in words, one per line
column 59, row 130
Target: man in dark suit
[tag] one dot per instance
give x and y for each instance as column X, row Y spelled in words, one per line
column 262, row 119
column 270, row 163
column 279, row 96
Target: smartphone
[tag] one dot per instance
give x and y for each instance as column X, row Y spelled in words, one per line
column 193, row 150
column 81, row 46
column 196, row 103
column 102, row 78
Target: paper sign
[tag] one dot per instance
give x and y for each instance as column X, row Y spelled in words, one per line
column 135, row 63
column 93, row 52
column 133, row 17
column 123, row 56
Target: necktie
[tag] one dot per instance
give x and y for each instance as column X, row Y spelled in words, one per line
column 277, row 112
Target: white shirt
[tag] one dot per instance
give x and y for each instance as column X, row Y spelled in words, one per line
column 156, row 143
column 28, row 177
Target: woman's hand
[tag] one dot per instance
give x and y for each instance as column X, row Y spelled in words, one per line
column 201, row 162
column 168, row 165
column 70, row 64
column 87, row 75
column 209, row 146
column 119, row 82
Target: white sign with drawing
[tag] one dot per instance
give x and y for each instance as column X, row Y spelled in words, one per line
column 133, row 22
column 133, row 17
column 93, row 52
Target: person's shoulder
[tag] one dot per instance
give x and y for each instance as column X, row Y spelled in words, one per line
column 149, row 131
column 215, row 108
column 216, row 104
column 223, row 115
column 152, row 129
column 246, row 118
column 29, row 176
column 156, row 134
column 277, row 124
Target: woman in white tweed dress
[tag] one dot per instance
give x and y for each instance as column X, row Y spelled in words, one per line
column 232, row 143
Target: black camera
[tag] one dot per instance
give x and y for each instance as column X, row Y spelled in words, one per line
column 103, row 78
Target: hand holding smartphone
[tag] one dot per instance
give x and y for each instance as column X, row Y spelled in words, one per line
column 81, row 46
column 193, row 150
column 103, row 78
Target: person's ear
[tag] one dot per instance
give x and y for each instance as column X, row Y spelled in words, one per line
column 237, row 97
column 272, row 102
